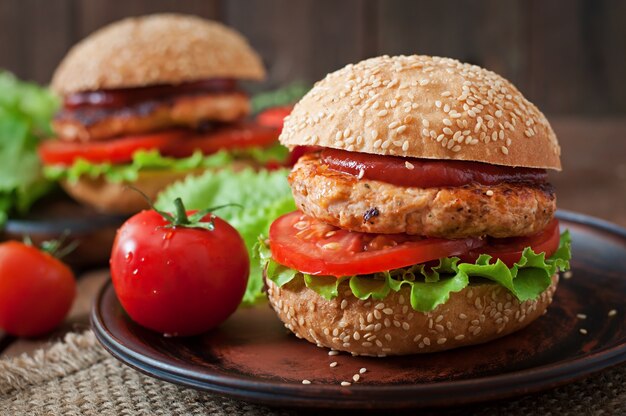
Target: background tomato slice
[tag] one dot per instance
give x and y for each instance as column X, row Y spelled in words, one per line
column 274, row 117
column 174, row 143
column 509, row 250
column 120, row 150
column 311, row 246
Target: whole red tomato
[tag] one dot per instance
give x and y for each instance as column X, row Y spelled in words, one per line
column 36, row 290
column 179, row 279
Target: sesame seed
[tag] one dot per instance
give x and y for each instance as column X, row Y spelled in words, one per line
column 446, row 108
column 438, row 104
column 388, row 311
column 345, row 383
column 333, row 364
column 401, row 129
column 362, row 370
column 427, row 341
column 405, row 326
column 489, row 192
column 425, row 123
column 504, row 150
column 388, row 337
column 441, row 341
column 447, row 122
column 446, row 94
column 379, row 306
column 459, row 337
column 456, row 148
column 409, row 165
column 447, row 130
column 612, row 312
column 417, row 337
column 581, row 316
column 382, row 113
column 306, row 382
column 356, row 377
column 583, row 331
column 405, row 145
column 568, row 274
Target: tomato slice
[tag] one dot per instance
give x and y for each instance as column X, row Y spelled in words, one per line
column 57, row 152
column 509, row 250
column 274, row 116
column 425, row 173
column 311, row 246
column 242, row 136
column 174, row 143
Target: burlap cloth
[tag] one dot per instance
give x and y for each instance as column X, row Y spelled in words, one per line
column 78, row 377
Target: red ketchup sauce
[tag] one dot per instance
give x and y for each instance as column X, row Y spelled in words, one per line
column 427, row 173
column 125, row 97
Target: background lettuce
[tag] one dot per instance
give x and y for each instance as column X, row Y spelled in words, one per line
column 25, row 114
column 153, row 160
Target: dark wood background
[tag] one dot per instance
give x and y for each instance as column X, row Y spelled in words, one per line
column 567, row 56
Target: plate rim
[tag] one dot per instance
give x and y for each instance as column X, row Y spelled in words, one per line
column 525, row 381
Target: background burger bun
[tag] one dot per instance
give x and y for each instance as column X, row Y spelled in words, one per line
column 118, row 197
column 156, row 49
column 425, row 107
column 477, row 314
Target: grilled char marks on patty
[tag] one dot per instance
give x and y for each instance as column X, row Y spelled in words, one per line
column 504, row 210
column 87, row 124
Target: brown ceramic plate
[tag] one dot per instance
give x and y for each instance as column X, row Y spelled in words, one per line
column 57, row 217
column 252, row 357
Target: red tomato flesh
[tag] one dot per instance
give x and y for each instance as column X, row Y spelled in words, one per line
column 509, row 250
column 174, row 143
column 274, row 116
column 425, row 173
column 311, row 246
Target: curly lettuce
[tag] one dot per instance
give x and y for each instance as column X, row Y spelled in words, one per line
column 25, row 113
column 431, row 286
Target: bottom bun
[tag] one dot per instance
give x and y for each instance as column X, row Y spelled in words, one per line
column 119, row 197
column 479, row 313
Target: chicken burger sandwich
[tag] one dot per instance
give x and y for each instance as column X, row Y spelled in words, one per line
column 425, row 218
column 144, row 101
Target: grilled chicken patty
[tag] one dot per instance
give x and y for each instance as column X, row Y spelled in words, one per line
column 185, row 111
column 504, row 210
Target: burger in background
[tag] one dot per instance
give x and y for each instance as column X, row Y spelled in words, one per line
column 149, row 100
column 425, row 220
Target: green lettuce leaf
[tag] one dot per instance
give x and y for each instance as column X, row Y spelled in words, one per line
column 25, row 114
column 264, row 195
column 431, row 286
column 152, row 160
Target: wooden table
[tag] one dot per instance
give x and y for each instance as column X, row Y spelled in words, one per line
column 593, row 182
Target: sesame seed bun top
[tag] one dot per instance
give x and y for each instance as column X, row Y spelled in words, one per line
column 426, row 107
column 156, row 49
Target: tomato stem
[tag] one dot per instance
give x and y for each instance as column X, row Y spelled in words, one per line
column 181, row 213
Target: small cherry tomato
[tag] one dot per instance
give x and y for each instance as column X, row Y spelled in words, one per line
column 180, row 275
column 36, row 290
